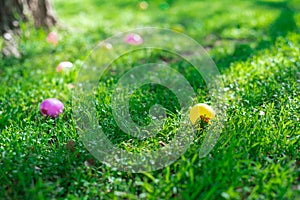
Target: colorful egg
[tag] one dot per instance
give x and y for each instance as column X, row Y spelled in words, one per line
column 143, row 5
column 133, row 39
column 105, row 45
column 64, row 66
column 52, row 38
column 202, row 111
column 51, row 107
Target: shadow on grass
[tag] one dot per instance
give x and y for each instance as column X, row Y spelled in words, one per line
column 284, row 24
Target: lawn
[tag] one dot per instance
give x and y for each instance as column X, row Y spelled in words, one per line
column 256, row 48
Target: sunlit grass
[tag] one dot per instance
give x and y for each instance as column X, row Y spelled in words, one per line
column 255, row 45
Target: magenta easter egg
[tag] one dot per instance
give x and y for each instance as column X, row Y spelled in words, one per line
column 133, row 39
column 51, row 107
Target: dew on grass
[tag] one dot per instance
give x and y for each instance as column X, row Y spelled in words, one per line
column 262, row 113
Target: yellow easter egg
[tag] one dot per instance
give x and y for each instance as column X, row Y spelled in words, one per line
column 143, row 5
column 199, row 110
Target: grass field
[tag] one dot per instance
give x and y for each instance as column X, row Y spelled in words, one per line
column 256, row 47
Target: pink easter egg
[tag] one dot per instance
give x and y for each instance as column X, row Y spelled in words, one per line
column 64, row 66
column 52, row 38
column 51, row 107
column 133, row 39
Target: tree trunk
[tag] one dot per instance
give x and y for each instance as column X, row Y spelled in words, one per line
column 8, row 19
column 12, row 12
column 42, row 12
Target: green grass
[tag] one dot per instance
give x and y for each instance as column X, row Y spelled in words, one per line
column 255, row 45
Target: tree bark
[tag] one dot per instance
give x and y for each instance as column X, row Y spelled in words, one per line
column 42, row 12
column 12, row 12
